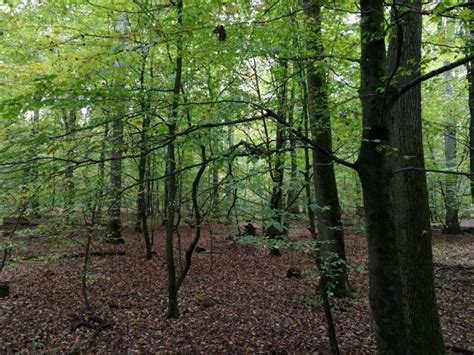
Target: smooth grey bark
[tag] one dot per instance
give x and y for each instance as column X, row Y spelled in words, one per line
column 328, row 210
column 114, row 233
column 450, row 149
column 412, row 217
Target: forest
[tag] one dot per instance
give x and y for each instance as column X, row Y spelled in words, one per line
column 248, row 176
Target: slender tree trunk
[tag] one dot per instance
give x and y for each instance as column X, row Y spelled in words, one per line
column 450, row 199
column 470, row 78
column 374, row 168
column 215, row 189
column 142, row 200
column 412, row 218
column 69, row 121
column 308, row 166
column 331, row 234
column 277, row 230
column 115, row 222
column 173, row 310
column 35, row 203
column 101, row 185
column 292, row 200
column 138, row 219
column 115, row 186
column 197, row 218
column 470, row 75
column 142, row 167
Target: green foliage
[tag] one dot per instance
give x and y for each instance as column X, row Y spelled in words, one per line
column 59, row 57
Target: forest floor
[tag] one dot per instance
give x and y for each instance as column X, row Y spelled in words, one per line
column 236, row 298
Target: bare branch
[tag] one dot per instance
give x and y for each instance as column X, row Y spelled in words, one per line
column 432, row 74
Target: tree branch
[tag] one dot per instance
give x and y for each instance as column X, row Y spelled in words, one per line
column 438, row 171
column 305, row 139
column 432, row 74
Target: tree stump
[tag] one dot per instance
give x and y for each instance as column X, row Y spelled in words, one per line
column 293, row 272
column 4, row 289
column 250, row 230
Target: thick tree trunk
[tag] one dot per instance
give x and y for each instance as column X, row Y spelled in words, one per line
column 328, row 211
column 450, row 197
column 412, row 218
column 374, row 167
column 171, row 186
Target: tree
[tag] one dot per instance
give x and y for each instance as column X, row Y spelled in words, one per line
column 277, row 229
column 115, row 185
column 142, row 215
column 374, row 168
column 328, row 210
column 173, row 310
column 412, row 220
column 470, row 79
column 450, row 150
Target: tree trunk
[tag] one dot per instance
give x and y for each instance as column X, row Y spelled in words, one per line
column 35, row 202
column 308, row 166
column 69, row 120
column 412, row 217
column 197, row 218
column 114, row 235
column 230, row 144
column 173, row 310
column 142, row 167
column 276, row 230
column 450, row 198
column 328, row 211
column 101, row 184
column 373, row 165
column 215, row 189
column 470, row 78
column 292, row 200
